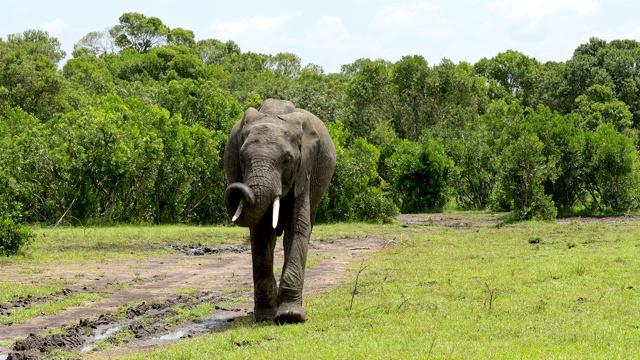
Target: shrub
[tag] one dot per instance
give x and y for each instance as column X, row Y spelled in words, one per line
column 611, row 175
column 13, row 236
column 356, row 193
column 420, row 172
column 523, row 171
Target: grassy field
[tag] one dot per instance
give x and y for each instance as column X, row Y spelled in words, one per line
column 467, row 288
column 479, row 291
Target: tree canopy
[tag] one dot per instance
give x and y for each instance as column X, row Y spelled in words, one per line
column 132, row 127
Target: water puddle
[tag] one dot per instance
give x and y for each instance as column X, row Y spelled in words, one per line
column 107, row 332
column 4, row 356
column 221, row 320
column 173, row 336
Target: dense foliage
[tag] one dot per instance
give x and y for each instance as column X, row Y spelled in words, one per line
column 132, row 128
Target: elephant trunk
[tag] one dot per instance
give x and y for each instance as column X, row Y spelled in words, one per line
column 247, row 205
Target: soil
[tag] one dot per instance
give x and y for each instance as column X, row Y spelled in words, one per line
column 192, row 275
column 156, row 286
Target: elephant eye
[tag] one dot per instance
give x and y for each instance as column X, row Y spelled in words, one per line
column 287, row 160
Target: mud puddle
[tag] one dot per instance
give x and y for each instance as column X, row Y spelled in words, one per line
column 112, row 326
column 148, row 323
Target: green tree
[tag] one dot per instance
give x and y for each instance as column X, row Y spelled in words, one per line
column 285, row 64
column 199, row 102
column 467, row 142
column 29, row 77
column 356, row 193
column 599, row 106
column 139, row 32
column 211, row 51
column 95, row 43
column 181, row 37
column 612, row 170
column 513, row 72
column 414, row 82
column 522, row 172
column 420, row 173
column 368, row 95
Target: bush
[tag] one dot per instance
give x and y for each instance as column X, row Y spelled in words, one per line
column 611, row 176
column 523, row 171
column 356, row 193
column 420, row 172
column 13, row 237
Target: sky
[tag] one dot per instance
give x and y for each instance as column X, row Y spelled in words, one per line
column 333, row 33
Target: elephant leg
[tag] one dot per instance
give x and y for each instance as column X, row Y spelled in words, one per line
column 296, row 244
column 265, row 291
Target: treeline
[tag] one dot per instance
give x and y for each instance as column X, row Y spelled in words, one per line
column 133, row 126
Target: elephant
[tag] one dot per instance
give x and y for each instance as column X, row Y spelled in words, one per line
column 279, row 161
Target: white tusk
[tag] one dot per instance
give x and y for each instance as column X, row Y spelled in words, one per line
column 276, row 211
column 238, row 212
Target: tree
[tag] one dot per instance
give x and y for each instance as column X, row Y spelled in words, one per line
column 467, row 142
column 368, row 95
column 420, row 173
column 513, row 72
column 611, row 172
column 522, row 172
column 181, row 37
column 415, row 85
column 95, row 43
column 356, row 193
column 139, row 32
column 38, row 42
column 285, row 64
column 29, row 77
column 211, row 51
column 599, row 106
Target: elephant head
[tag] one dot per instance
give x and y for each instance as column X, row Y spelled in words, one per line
column 267, row 156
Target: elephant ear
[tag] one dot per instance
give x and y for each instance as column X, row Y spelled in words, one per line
column 232, row 149
column 251, row 115
column 308, row 149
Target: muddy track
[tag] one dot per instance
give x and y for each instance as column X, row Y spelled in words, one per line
column 156, row 287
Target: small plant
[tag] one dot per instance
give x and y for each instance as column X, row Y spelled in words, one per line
column 535, row 240
column 13, row 237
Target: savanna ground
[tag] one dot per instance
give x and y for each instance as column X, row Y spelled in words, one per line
column 452, row 285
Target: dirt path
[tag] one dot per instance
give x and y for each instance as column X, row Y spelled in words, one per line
column 213, row 277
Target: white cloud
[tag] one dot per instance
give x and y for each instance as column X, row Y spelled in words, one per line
column 256, row 25
column 417, row 19
column 331, row 28
column 391, row 15
column 544, row 21
column 55, row 27
column 522, row 9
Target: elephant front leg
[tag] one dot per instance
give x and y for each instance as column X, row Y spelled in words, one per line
column 296, row 244
column 265, row 291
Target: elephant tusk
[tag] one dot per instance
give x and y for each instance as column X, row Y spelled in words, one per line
column 238, row 212
column 276, row 211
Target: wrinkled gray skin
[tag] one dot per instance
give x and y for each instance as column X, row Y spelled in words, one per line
column 278, row 151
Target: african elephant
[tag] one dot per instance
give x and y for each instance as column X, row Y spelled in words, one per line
column 279, row 161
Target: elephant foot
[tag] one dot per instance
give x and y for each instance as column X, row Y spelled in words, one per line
column 264, row 314
column 290, row 313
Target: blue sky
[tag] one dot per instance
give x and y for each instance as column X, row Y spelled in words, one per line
column 331, row 33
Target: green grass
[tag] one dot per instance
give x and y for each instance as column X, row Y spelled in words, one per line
column 54, row 306
column 462, row 293
column 11, row 291
column 113, row 244
column 489, row 290
column 184, row 315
